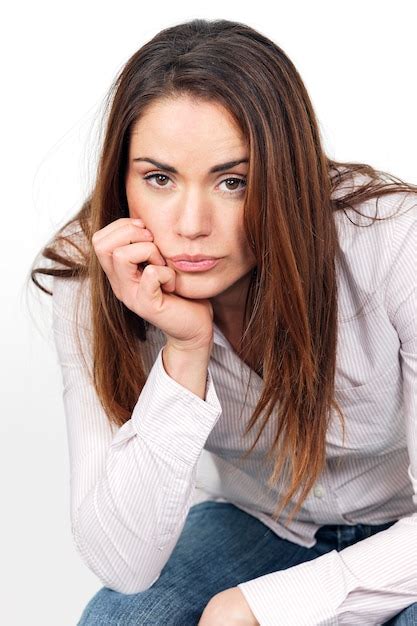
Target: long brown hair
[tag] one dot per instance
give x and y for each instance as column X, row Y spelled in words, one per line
column 291, row 306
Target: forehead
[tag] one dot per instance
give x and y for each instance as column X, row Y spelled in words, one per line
column 184, row 122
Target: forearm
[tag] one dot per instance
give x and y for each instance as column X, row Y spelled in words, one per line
column 188, row 367
column 366, row 583
column 128, row 524
column 129, row 520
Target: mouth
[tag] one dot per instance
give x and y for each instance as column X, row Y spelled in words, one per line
column 195, row 266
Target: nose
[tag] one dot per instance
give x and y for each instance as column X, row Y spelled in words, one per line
column 194, row 215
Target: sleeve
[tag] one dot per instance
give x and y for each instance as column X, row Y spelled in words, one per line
column 131, row 490
column 373, row 580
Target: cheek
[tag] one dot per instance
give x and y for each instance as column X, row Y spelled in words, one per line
column 133, row 195
column 246, row 250
column 242, row 240
column 137, row 204
column 134, row 191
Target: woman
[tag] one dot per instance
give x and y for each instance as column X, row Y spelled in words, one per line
column 302, row 320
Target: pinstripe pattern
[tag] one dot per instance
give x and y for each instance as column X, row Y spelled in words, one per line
column 132, row 487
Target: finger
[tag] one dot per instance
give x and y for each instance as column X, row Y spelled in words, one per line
column 115, row 226
column 154, row 277
column 127, row 258
column 121, row 236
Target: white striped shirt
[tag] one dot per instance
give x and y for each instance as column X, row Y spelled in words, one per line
column 132, row 487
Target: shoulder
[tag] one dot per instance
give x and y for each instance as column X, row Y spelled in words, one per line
column 372, row 245
column 375, row 257
column 71, row 301
column 73, row 242
column 72, row 246
column 394, row 204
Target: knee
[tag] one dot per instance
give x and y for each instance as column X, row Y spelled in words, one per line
column 407, row 617
column 149, row 608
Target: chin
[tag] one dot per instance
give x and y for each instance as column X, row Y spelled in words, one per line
column 196, row 287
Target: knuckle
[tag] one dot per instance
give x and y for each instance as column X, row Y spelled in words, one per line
column 150, row 270
column 98, row 249
column 118, row 253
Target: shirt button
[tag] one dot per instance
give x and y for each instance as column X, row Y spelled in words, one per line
column 319, row 491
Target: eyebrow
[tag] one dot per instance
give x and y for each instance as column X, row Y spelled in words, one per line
column 216, row 168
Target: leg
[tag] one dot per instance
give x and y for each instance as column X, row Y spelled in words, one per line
column 407, row 617
column 219, row 547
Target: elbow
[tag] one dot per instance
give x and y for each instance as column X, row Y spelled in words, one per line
column 130, row 588
column 113, row 572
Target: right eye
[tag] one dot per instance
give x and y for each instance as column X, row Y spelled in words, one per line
column 156, row 176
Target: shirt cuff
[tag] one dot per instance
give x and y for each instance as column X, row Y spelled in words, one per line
column 307, row 594
column 171, row 416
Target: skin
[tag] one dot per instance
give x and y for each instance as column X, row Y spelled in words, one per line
column 228, row 608
column 193, row 211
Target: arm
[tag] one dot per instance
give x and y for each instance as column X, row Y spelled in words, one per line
column 373, row 580
column 131, row 490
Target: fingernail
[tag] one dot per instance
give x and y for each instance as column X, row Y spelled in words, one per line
column 138, row 222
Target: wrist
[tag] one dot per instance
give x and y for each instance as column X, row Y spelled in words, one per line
column 195, row 347
column 189, row 367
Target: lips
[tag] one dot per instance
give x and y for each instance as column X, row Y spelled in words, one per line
column 193, row 258
column 195, row 266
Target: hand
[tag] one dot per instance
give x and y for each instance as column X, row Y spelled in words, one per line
column 228, row 608
column 148, row 291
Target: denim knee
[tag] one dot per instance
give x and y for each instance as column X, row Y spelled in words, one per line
column 153, row 607
column 407, row 617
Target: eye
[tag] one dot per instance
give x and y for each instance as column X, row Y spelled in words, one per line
column 157, row 176
column 241, row 181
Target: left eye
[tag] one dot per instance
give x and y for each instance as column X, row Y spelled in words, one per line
column 241, row 181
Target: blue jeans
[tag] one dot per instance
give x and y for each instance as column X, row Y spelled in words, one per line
column 220, row 546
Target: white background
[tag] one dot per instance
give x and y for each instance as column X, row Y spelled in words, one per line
column 358, row 62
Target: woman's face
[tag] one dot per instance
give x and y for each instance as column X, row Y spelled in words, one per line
column 192, row 210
